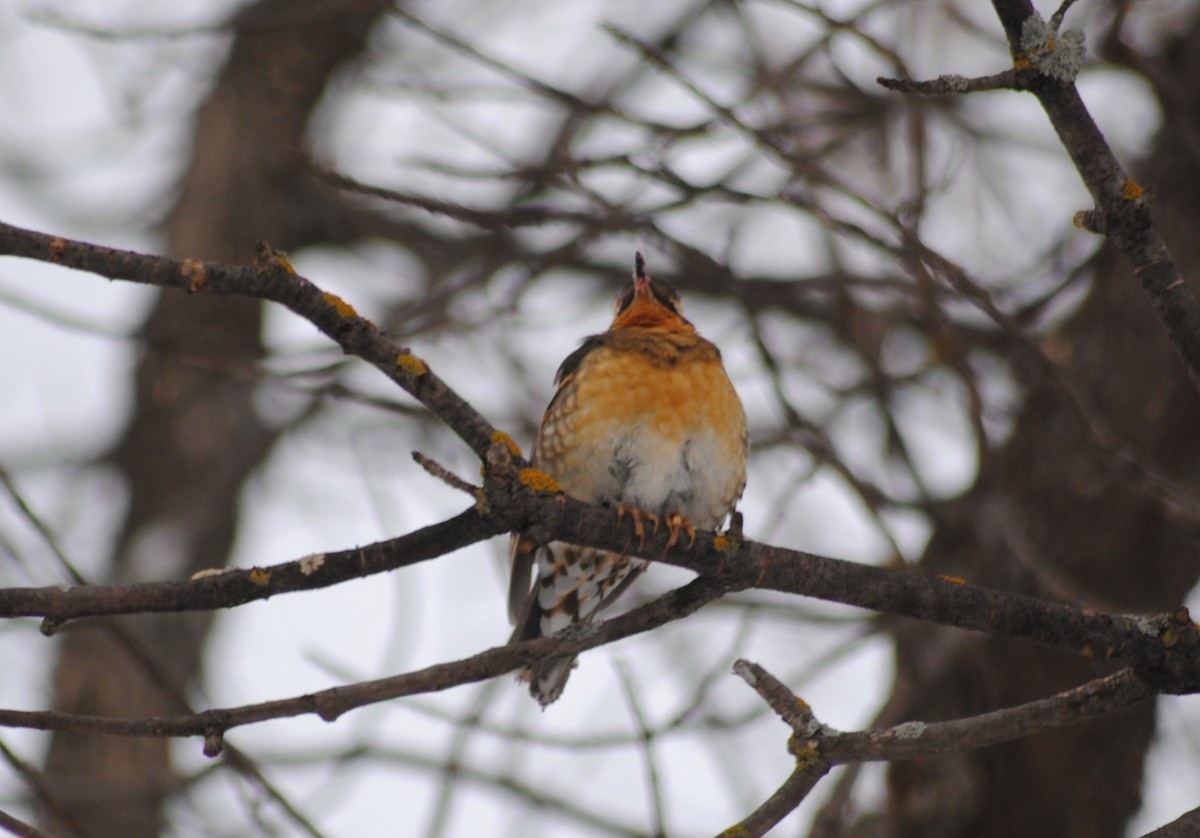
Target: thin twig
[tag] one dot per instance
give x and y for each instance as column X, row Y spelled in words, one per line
column 953, row 85
column 645, row 741
column 331, row 703
column 46, row 796
column 444, row 474
column 19, row 828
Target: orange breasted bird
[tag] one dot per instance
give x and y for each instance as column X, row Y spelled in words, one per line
column 644, row 420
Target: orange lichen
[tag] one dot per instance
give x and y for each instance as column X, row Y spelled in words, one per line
column 343, row 308
column 282, row 261
column 953, row 580
column 539, row 481
column 509, row 442
column 1131, row 190
column 412, row 365
column 258, row 576
column 57, row 246
column 805, row 757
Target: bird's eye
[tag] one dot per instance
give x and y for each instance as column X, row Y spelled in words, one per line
column 623, row 299
column 666, row 295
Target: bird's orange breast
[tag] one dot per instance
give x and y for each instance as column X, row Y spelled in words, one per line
column 651, row 420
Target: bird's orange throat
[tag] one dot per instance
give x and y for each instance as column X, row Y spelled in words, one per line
column 650, row 314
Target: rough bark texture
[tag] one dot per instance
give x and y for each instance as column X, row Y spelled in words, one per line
column 194, row 435
column 1051, row 516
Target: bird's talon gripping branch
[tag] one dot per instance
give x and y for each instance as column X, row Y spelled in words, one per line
column 637, row 516
column 676, row 524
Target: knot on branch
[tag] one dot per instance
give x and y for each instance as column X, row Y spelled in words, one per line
column 268, row 260
column 1123, row 210
column 1175, row 669
column 214, row 741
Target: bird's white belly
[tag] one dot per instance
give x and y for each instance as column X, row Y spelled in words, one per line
column 663, row 476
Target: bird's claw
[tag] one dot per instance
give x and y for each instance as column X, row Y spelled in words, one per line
column 676, row 524
column 638, row 516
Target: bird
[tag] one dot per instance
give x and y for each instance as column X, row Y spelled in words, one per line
column 644, row 419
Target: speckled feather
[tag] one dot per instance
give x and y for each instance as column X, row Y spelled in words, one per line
column 644, row 416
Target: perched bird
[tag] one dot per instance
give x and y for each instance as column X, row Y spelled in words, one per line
column 645, row 420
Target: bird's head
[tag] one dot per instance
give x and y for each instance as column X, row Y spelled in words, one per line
column 645, row 302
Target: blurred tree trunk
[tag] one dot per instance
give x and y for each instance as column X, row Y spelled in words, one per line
column 194, row 435
column 1050, row 517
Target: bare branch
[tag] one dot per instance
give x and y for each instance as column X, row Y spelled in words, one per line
column 912, row 739
column 230, row 587
column 45, row 796
column 780, row 804
column 443, row 474
column 1122, row 207
column 1164, row 650
column 270, row 278
column 817, row 747
column 19, row 827
column 331, row 703
column 952, row 85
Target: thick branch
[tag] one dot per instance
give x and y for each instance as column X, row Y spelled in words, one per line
column 1164, row 650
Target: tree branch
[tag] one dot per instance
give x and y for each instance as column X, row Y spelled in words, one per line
column 270, row 278
column 331, row 703
column 231, row 587
column 818, row 748
column 1122, row 209
column 1163, row 649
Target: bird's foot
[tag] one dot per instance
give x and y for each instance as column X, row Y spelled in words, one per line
column 638, row 517
column 676, row 524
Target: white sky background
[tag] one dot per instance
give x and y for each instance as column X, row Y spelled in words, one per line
column 92, row 134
